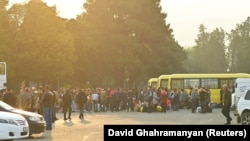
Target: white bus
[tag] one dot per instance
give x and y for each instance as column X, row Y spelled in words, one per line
column 3, row 76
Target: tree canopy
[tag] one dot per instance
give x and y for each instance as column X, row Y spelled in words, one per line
column 124, row 42
column 119, row 43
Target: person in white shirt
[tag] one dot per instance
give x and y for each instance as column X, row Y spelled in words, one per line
column 95, row 98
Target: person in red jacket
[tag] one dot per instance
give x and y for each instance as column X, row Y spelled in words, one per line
column 163, row 100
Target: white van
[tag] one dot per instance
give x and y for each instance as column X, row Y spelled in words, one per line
column 243, row 108
column 241, row 84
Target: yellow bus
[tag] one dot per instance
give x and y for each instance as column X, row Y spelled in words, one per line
column 213, row 82
column 152, row 82
column 163, row 81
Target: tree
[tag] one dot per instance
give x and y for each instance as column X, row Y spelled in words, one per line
column 7, row 40
column 217, row 52
column 5, row 35
column 209, row 53
column 239, row 47
column 45, row 49
column 120, row 39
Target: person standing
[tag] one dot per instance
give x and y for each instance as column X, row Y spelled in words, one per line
column 104, row 97
column 116, row 98
column 183, row 98
column 193, row 97
column 54, row 98
column 10, row 98
column 172, row 99
column 39, row 105
column 47, row 100
column 155, row 100
column 221, row 96
column 208, row 100
column 25, row 99
column 129, row 100
column 81, row 100
column 67, row 101
column 95, row 98
column 149, row 95
column 111, row 99
column 163, row 100
column 176, row 101
column 226, row 103
column 202, row 94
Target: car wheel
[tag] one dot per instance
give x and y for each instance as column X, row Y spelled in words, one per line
column 245, row 118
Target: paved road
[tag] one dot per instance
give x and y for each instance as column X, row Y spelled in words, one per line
column 91, row 129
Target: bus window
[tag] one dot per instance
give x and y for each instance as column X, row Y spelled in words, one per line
column 194, row 83
column 153, row 84
column 164, row 83
column 229, row 82
column 210, row 83
column 177, row 83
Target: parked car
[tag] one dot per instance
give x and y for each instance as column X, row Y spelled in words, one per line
column 13, row 126
column 243, row 108
column 36, row 121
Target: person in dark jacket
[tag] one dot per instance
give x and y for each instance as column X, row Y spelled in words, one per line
column 54, row 118
column 39, row 105
column 226, row 103
column 67, row 101
column 47, row 107
column 10, row 98
column 203, row 94
column 81, row 100
column 194, row 97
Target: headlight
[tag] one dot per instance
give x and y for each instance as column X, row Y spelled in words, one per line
column 34, row 118
column 8, row 121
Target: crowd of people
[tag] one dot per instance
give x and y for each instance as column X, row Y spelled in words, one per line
column 106, row 99
column 41, row 101
column 47, row 101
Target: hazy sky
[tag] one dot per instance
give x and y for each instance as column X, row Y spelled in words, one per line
column 184, row 16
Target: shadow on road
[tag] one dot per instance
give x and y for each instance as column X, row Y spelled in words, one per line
column 68, row 123
column 85, row 122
